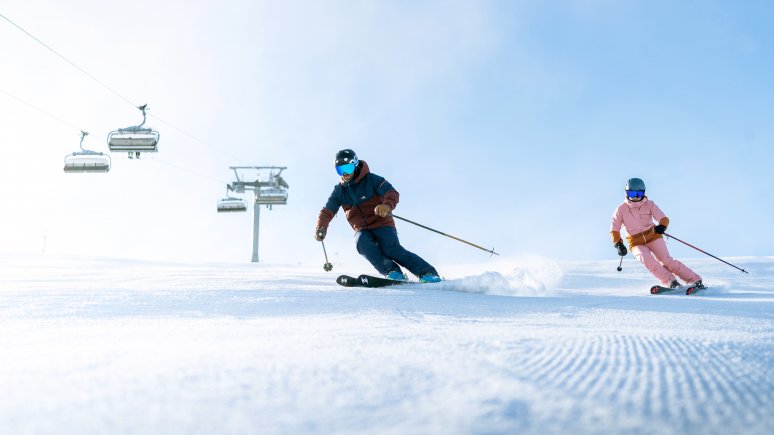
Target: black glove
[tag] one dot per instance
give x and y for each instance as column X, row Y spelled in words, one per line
column 319, row 233
column 659, row 229
column 621, row 248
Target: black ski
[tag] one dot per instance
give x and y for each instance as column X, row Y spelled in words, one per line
column 370, row 281
column 376, row 281
column 347, row 281
column 366, row 281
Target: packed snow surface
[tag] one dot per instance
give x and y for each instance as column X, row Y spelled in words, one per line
column 523, row 345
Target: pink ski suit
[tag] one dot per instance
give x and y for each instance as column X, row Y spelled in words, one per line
column 646, row 245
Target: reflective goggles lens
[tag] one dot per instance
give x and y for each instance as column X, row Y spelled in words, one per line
column 349, row 168
column 635, row 193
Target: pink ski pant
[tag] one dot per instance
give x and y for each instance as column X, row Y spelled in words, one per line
column 655, row 256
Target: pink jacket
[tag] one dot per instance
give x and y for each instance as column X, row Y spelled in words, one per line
column 637, row 218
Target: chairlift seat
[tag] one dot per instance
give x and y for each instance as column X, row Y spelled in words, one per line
column 133, row 139
column 231, row 204
column 271, row 196
column 86, row 163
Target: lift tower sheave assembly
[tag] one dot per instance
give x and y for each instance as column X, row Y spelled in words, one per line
column 269, row 189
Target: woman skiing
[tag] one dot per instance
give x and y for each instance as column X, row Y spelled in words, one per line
column 637, row 215
column 367, row 200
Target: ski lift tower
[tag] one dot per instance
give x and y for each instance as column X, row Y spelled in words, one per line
column 269, row 188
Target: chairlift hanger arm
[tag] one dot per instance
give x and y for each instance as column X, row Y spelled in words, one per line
column 144, row 115
column 139, row 127
column 83, row 136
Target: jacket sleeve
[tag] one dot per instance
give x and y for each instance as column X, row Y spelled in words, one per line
column 615, row 225
column 329, row 211
column 659, row 215
column 387, row 192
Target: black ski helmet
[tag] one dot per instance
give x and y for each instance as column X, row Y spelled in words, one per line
column 346, row 156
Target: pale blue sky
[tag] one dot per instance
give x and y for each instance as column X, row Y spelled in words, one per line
column 510, row 124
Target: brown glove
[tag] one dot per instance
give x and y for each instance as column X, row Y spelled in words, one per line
column 382, row 210
column 319, row 233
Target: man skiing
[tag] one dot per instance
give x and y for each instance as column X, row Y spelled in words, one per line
column 367, row 200
column 646, row 241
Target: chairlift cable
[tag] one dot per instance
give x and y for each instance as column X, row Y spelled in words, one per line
column 196, row 138
column 41, row 110
column 113, row 91
column 181, row 168
column 64, row 122
column 69, row 61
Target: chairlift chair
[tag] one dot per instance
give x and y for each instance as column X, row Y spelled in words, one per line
column 230, row 203
column 271, row 195
column 136, row 139
column 86, row 160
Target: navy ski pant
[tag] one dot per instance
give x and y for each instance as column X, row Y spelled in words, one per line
column 381, row 247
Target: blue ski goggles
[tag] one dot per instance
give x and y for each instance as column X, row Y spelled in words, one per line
column 349, row 168
column 635, row 193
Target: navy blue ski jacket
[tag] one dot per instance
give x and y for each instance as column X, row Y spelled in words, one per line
column 358, row 198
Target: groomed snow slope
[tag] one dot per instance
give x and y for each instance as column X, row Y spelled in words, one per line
column 519, row 346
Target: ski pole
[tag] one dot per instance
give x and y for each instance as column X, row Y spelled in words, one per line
column 704, row 252
column 491, row 251
column 619, row 268
column 327, row 266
